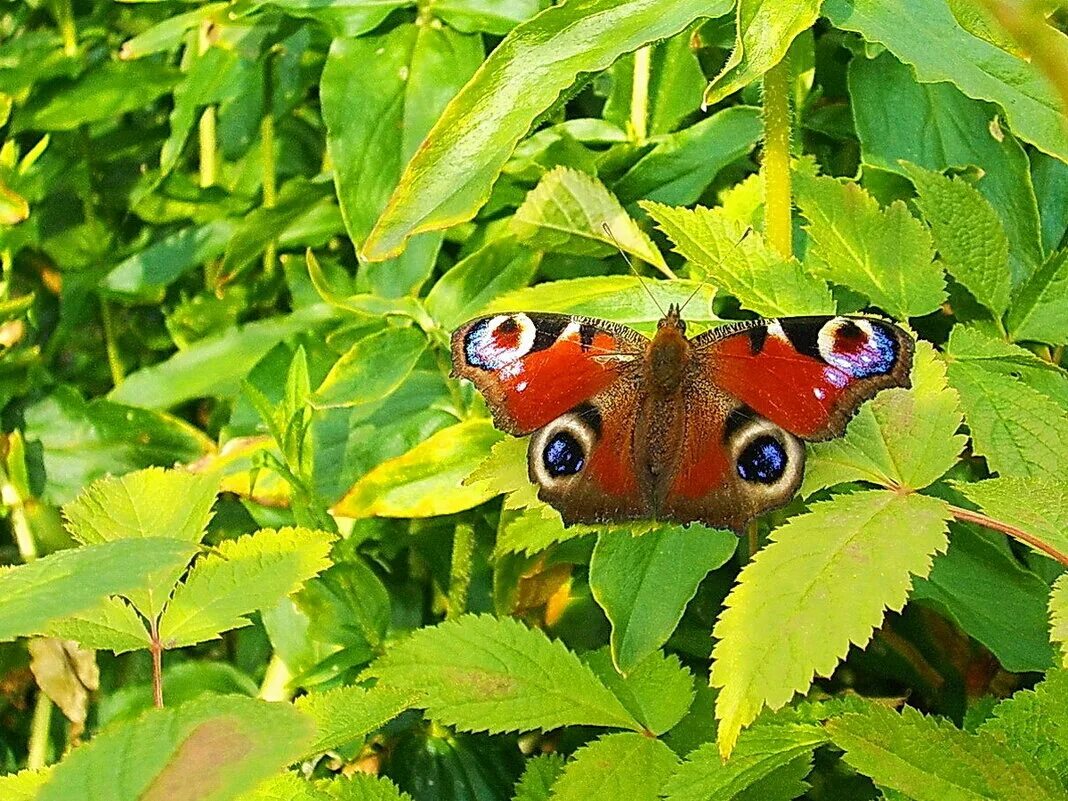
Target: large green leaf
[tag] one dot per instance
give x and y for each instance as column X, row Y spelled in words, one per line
column 1039, row 505
column 936, row 45
column 644, row 582
column 820, row 586
column 478, row 673
column 451, row 175
column 370, row 371
column 1036, row 721
column 1038, row 309
column 931, row 760
column 211, row 749
column 70, row 581
column 658, row 691
column 616, row 766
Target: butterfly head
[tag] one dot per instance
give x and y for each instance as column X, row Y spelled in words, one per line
column 672, row 320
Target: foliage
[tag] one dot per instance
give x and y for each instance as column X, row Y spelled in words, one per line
column 256, row 541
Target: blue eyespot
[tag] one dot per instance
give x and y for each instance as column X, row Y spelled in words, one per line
column 563, row 455
column 763, row 460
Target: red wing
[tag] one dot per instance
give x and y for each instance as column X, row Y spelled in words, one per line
column 808, row 375
column 532, row 368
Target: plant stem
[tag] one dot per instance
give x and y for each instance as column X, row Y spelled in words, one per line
column 209, row 165
column 968, row 516
column 778, row 122
column 639, row 95
column 267, row 162
column 112, row 348
column 752, row 537
column 156, row 649
column 63, row 11
column 39, row 730
column 463, row 548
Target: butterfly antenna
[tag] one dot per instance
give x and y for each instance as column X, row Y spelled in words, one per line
column 626, row 258
column 704, row 280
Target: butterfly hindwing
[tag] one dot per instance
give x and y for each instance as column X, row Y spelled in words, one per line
column 533, row 368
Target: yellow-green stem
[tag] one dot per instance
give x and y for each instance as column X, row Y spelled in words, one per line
column 63, row 11
column 110, row 345
column 270, row 181
column 39, row 730
column 639, row 95
column 209, row 164
column 275, row 686
column 463, row 548
column 778, row 124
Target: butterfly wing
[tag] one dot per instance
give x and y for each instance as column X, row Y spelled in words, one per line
column 755, row 391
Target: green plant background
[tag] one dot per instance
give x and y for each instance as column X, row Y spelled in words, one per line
column 235, row 238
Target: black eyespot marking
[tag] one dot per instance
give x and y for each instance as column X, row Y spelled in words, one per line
column 563, row 455
column 804, row 333
column 508, row 326
column 757, row 336
column 546, row 331
column 737, row 418
column 763, row 461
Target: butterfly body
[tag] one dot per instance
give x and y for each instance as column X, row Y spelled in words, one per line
column 674, row 428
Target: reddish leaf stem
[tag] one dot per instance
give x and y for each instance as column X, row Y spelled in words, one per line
column 156, row 649
column 968, row 516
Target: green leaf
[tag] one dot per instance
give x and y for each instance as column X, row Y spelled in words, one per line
column 615, row 766
column 761, row 751
column 344, row 714
column 644, row 583
column 981, row 585
column 762, row 281
column 492, row 16
column 240, row 577
column 681, row 165
column 567, row 212
column 1050, row 179
column 370, row 371
column 1058, row 617
column 1036, row 721
column 451, row 175
column 936, row 127
column 1019, row 430
column 939, row 49
column 539, row 775
column 111, row 625
column 210, row 749
column 970, row 239
column 287, row 786
column 23, row 786
column 1038, row 308
column 885, row 254
column 821, row 585
column 1038, row 506
column 143, row 504
column 429, row 479
column 901, row 438
column 765, row 30
column 658, row 692
column 361, row 787
column 478, row 673
column 931, row 760
column 498, row 267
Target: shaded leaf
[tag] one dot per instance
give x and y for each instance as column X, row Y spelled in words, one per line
column 1058, row 617
column 539, row 775
column 608, row 769
column 370, row 371
column 1036, row 721
column 1040, row 308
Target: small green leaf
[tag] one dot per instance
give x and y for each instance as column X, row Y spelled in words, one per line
column 111, row 625
column 210, row 749
column 287, row 786
column 765, row 30
column 746, row 268
column 821, row 585
column 538, row 778
column 24, row 785
column 657, row 692
column 344, row 714
column 1038, row 506
column 429, row 479
column 616, row 766
column 885, row 254
column 761, row 750
column 902, row 438
column 1036, row 721
column 478, row 673
column 567, row 212
column 370, row 371
column 69, row 582
column 243, row 576
column 1058, row 616
column 931, row 760
column 1038, row 308
column 361, row 787
column 644, row 583
column 970, row 239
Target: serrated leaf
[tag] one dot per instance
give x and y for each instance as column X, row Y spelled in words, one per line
column 1019, row 430
column 429, row 479
column 361, row 787
column 211, row 749
column 538, row 778
column 931, row 760
column 761, row 750
column 885, row 254
column 567, row 211
column 241, row 577
column 822, row 584
column 616, row 766
column 762, row 281
column 644, row 583
column 1058, row 616
column 111, row 625
column 1036, row 721
column 24, row 785
column 346, row 713
column 1040, row 307
column 903, row 437
column 478, row 673
column 68, row 582
column 968, row 235
column 765, row 29
column 657, row 692
column 286, row 786
column 370, row 371
column 1038, row 506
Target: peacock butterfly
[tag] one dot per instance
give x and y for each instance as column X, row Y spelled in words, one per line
column 706, row 429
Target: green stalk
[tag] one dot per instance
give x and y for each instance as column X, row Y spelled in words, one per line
column 463, row 548
column 639, row 95
column 63, row 12
column 39, row 729
column 778, row 122
column 209, row 157
column 267, row 162
column 110, row 345
column 275, row 686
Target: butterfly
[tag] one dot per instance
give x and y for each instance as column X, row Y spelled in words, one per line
column 707, row 429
